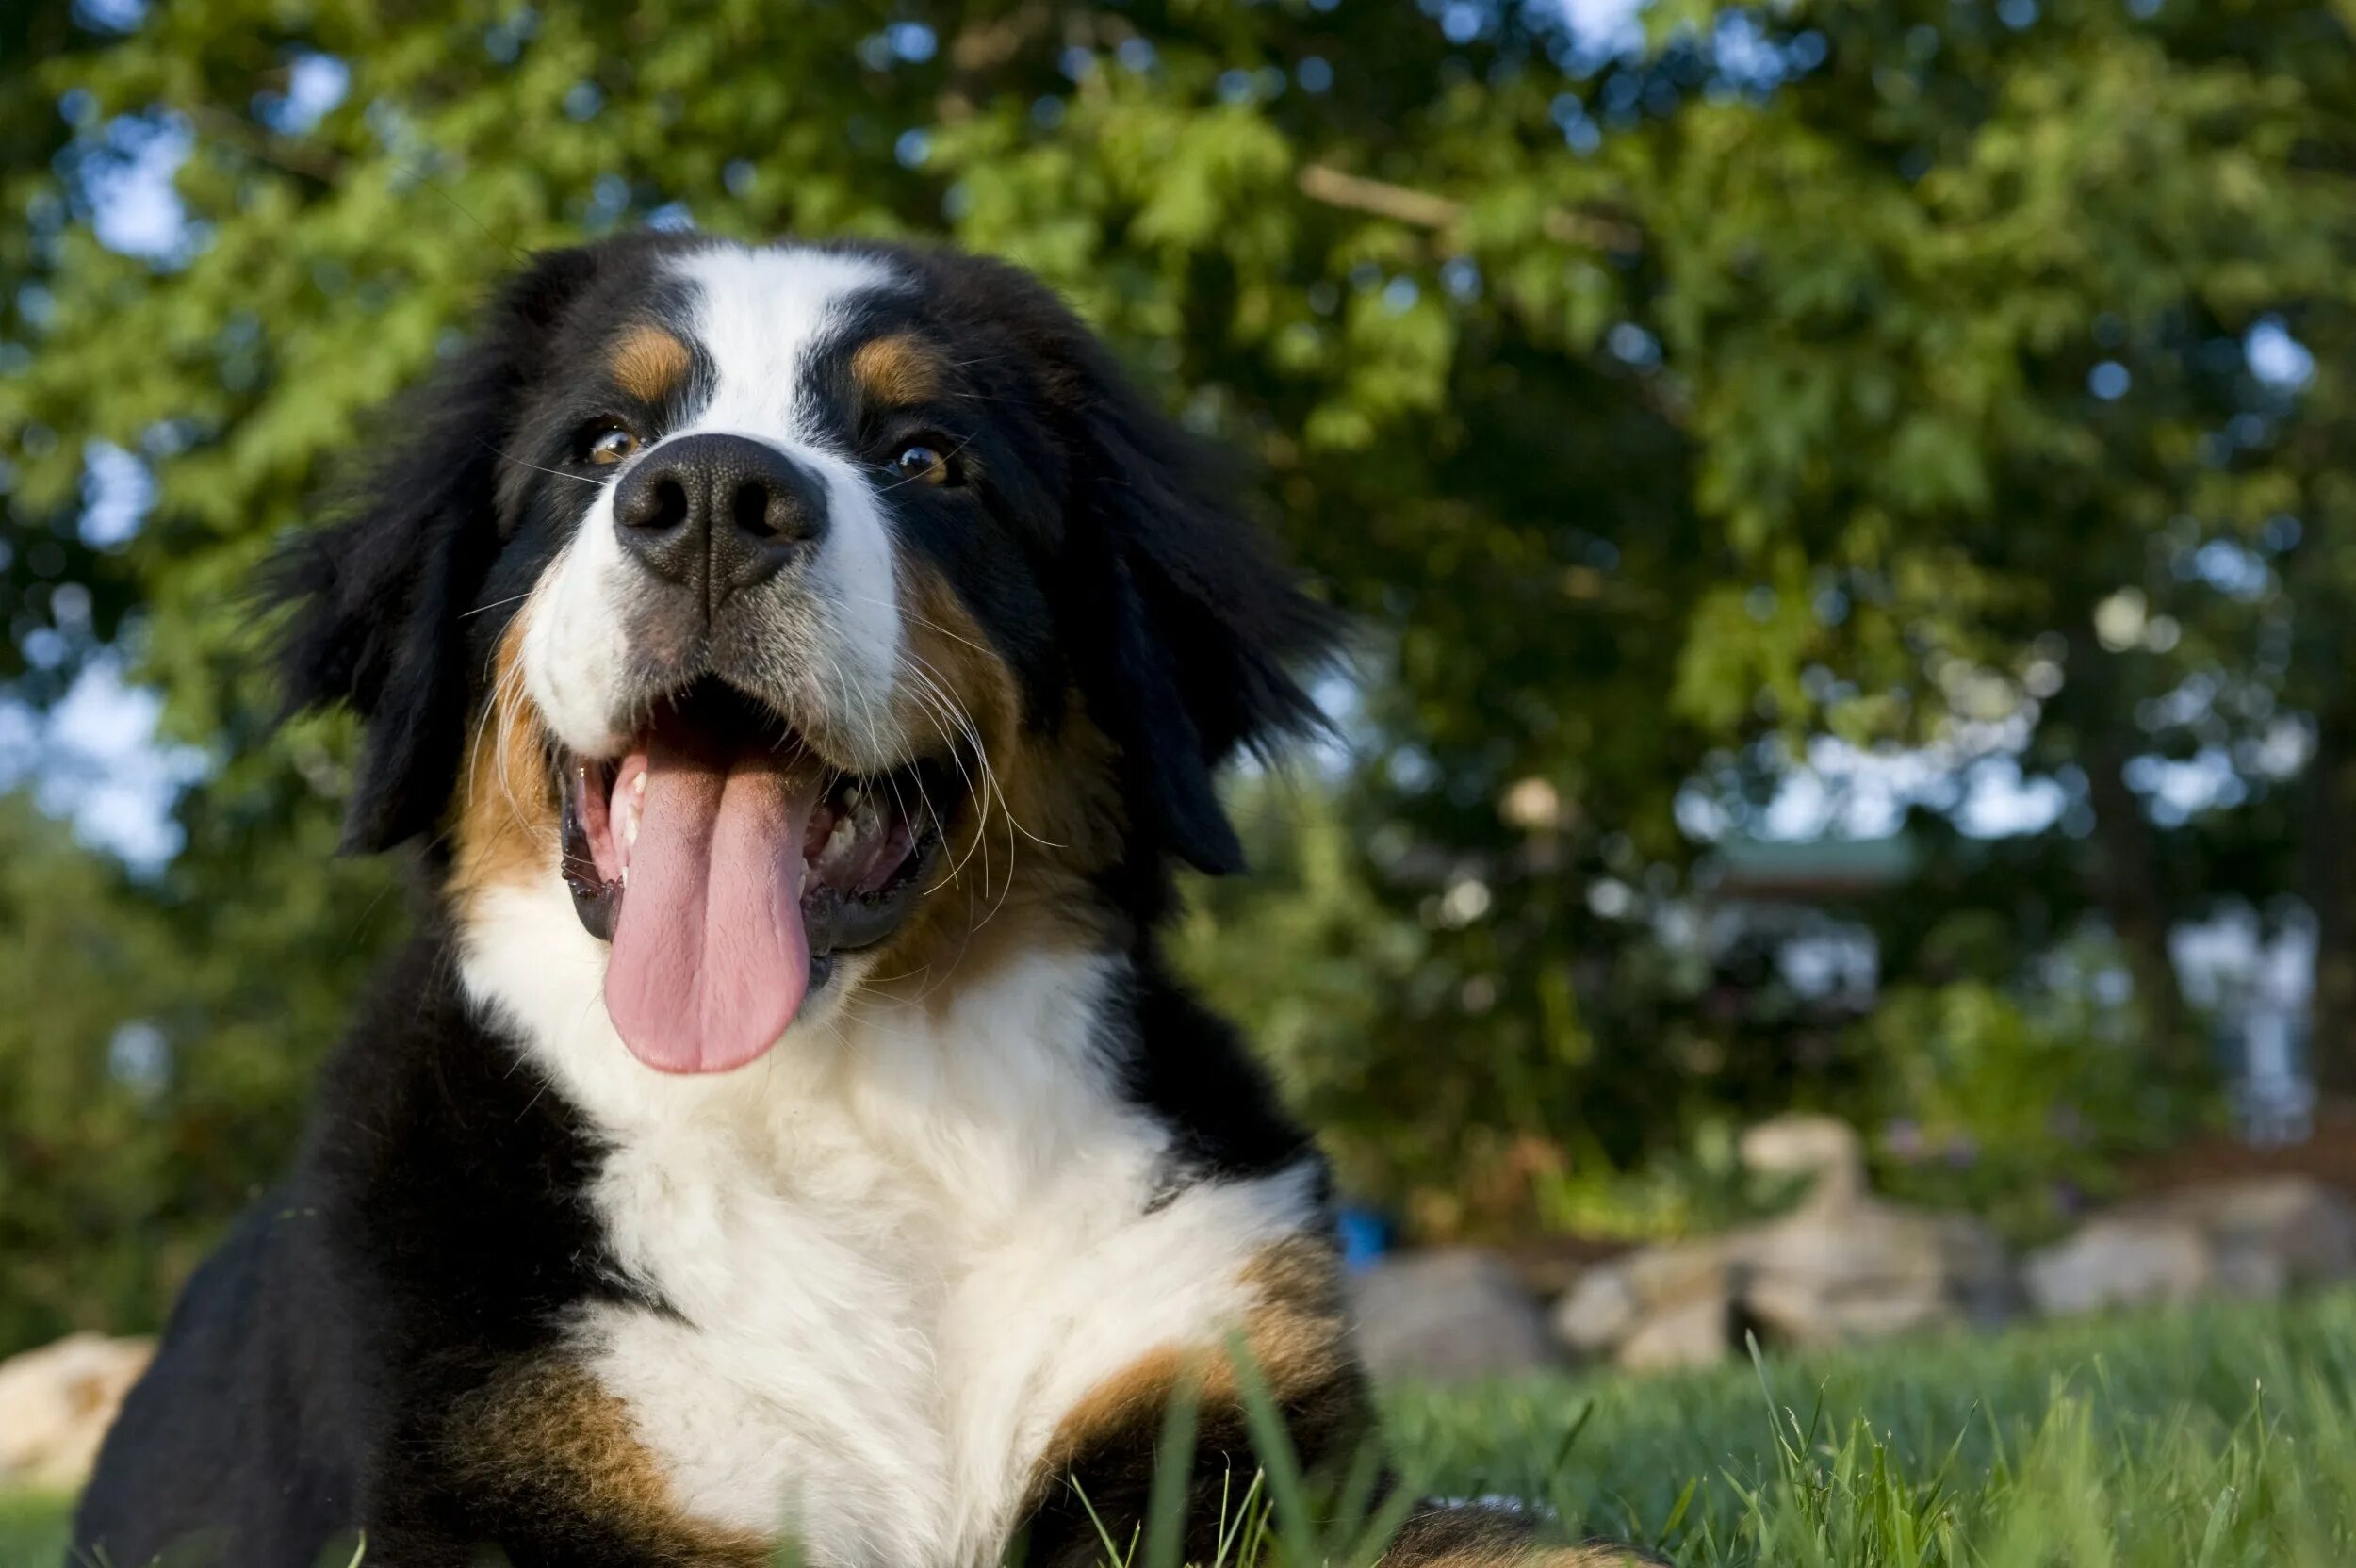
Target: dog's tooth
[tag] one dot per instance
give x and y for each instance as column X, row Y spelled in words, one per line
column 630, row 825
column 638, row 784
column 838, row 838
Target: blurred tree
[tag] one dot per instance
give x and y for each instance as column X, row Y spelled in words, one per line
column 42, row 545
column 1921, row 373
column 1966, row 310
column 154, row 1064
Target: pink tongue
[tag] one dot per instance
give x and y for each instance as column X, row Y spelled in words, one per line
column 709, row 959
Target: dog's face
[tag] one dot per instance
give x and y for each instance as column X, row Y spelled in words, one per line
column 803, row 609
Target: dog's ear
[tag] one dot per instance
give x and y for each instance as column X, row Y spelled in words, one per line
column 1204, row 632
column 378, row 599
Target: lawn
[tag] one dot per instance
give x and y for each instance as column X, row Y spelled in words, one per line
column 32, row 1530
column 2200, row 1439
column 2185, row 1439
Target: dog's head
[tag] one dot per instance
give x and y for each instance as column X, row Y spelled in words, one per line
column 802, row 609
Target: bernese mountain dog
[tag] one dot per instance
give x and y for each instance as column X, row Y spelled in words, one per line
column 799, row 669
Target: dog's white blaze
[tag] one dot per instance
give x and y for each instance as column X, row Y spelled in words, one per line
column 833, row 658
column 900, row 1246
column 760, row 315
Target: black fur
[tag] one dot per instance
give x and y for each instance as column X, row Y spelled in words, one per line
column 379, row 598
column 433, row 1231
column 428, row 1234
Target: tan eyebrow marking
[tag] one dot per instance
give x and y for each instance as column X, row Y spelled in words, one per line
column 649, row 363
column 902, row 368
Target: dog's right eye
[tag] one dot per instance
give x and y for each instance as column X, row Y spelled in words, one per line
column 609, row 446
column 922, row 463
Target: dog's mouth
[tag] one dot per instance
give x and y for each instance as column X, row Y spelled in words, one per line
column 728, row 864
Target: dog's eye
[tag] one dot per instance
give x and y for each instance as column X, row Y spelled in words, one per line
column 922, row 463
column 612, row 446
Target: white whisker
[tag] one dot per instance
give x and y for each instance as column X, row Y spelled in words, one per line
column 537, row 467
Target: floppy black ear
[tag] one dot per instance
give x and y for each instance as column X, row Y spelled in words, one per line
column 379, row 597
column 1203, row 630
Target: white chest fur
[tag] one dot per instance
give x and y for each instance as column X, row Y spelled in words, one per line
column 897, row 1251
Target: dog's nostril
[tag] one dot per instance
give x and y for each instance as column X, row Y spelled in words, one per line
column 657, row 505
column 670, row 503
column 751, row 508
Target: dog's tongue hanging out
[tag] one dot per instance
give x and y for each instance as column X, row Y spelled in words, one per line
column 711, row 959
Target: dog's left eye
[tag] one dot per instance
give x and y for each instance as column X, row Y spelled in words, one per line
column 611, row 447
column 921, row 463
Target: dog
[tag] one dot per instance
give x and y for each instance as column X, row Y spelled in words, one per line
column 797, row 671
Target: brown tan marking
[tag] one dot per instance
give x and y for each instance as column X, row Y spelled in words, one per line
column 898, row 370
column 554, row 1446
column 506, row 821
column 1297, row 1335
column 1130, row 1400
column 648, row 363
column 1294, row 1332
column 1298, row 1331
column 1042, row 816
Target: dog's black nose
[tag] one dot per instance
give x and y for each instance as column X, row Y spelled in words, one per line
column 717, row 513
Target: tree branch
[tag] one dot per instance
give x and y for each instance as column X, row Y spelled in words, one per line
column 1424, row 209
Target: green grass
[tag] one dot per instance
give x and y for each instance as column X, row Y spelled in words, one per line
column 32, row 1530
column 2215, row 1438
column 2190, row 1439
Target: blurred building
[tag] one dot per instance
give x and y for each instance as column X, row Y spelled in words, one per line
column 1783, row 895
column 1781, row 900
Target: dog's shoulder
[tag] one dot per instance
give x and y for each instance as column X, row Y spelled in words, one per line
column 337, row 1359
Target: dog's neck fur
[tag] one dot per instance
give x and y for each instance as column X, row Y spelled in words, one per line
column 893, row 1253
column 1018, row 1053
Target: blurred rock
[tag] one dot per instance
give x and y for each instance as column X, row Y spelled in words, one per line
column 56, row 1404
column 1857, row 1268
column 1824, row 1147
column 2270, row 1232
column 2118, row 1263
column 1449, row 1313
column 2254, row 1237
column 1599, row 1311
column 1691, row 1333
column 1680, row 1270
column 1844, row 1265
